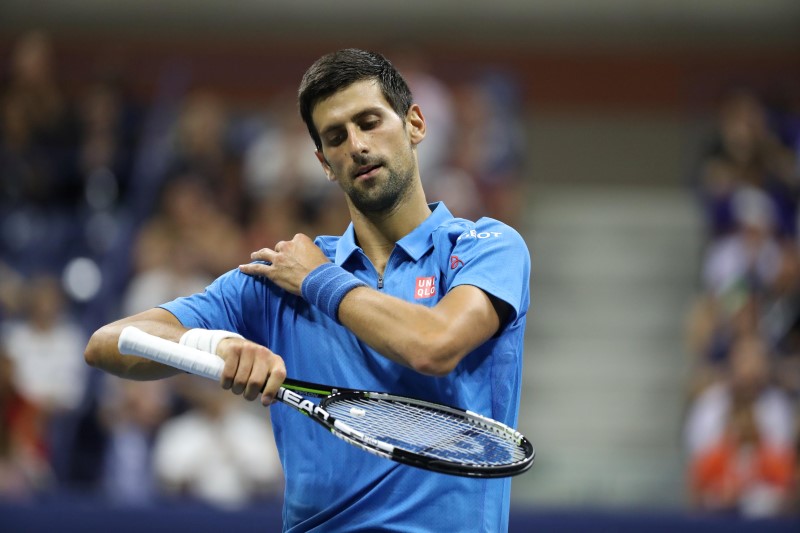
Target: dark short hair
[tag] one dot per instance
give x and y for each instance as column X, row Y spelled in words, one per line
column 338, row 70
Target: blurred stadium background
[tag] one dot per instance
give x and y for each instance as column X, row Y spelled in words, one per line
column 647, row 151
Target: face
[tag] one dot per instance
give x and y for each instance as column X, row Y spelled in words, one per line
column 367, row 148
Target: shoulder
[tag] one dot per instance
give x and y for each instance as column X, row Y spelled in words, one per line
column 232, row 290
column 463, row 232
column 236, row 282
column 491, row 229
column 487, row 254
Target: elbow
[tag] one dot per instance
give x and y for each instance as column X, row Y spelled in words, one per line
column 93, row 354
column 430, row 367
column 433, row 358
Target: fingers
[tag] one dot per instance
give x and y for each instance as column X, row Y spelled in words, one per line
column 269, row 254
column 276, row 378
column 243, row 374
column 250, row 369
column 230, row 368
column 253, row 386
column 288, row 264
column 266, row 254
column 255, row 269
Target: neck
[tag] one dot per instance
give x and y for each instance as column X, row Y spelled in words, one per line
column 377, row 233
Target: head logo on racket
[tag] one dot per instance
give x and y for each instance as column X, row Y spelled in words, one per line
column 295, row 400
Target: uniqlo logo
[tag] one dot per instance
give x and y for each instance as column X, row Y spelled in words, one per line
column 425, row 287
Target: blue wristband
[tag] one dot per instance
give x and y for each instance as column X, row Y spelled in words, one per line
column 326, row 286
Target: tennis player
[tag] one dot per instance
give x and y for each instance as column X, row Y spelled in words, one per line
column 409, row 300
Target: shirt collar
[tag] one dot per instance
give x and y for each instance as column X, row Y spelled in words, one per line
column 346, row 246
column 415, row 244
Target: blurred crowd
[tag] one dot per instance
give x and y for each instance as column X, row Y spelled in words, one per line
column 112, row 203
column 742, row 425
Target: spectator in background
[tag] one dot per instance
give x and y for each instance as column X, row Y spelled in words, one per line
column 201, row 150
column 109, row 136
column 28, row 174
column 285, row 190
column 490, row 144
column 23, row 451
column 190, row 220
column 439, row 157
column 218, row 452
column 33, row 80
column 166, row 268
column 751, row 256
column 179, row 250
column 11, row 291
column 746, row 153
column 45, row 345
column 740, row 437
column 38, row 182
column 269, row 218
column 744, row 274
column 42, row 119
column 132, row 413
column 741, row 429
column 445, row 177
column 275, row 162
column 436, row 98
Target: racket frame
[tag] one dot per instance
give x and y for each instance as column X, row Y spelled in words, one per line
column 292, row 394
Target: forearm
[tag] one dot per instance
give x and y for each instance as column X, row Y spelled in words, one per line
column 430, row 340
column 102, row 352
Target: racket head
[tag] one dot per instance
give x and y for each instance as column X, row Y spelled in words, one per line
column 427, row 435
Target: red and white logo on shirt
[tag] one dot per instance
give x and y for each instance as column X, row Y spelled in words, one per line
column 425, row 287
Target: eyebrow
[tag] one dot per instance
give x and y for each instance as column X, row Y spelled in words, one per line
column 361, row 114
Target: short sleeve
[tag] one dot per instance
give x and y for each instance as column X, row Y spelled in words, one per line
column 233, row 302
column 489, row 255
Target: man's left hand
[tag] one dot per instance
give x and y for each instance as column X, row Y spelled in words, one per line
column 288, row 264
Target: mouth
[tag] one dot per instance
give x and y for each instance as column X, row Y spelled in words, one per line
column 366, row 171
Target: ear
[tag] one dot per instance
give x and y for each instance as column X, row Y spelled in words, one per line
column 325, row 166
column 415, row 123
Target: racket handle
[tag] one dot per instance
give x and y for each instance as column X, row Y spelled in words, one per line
column 134, row 341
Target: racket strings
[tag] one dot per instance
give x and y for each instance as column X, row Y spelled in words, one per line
column 429, row 431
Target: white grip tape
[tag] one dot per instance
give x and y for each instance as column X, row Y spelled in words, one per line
column 133, row 341
column 206, row 340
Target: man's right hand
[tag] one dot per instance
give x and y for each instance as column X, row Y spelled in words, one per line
column 251, row 369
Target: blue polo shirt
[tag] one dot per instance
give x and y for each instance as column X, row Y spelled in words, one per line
column 332, row 486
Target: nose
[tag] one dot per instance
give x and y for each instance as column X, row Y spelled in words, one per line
column 358, row 145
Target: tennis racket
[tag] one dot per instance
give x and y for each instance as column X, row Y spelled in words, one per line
column 413, row 432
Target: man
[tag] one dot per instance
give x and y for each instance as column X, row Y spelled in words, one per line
column 409, row 300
